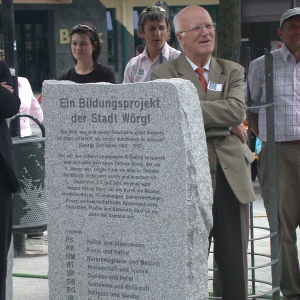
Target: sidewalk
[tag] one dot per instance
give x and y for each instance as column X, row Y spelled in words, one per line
column 36, row 260
column 260, row 246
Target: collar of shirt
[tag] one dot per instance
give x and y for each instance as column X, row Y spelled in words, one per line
column 206, row 67
column 165, row 53
column 286, row 54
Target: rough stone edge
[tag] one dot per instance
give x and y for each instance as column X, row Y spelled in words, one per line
column 9, row 279
column 199, row 204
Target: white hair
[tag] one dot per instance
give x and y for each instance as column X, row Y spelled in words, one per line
column 177, row 27
column 176, row 24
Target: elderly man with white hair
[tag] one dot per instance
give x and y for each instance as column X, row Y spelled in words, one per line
column 220, row 86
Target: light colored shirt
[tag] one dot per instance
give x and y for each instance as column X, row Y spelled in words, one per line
column 29, row 105
column 206, row 67
column 286, row 95
column 140, row 67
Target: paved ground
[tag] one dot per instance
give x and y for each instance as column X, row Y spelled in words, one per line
column 260, row 246
column 36, row 261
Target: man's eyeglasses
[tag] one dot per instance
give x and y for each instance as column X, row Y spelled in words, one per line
column 199, row 28
column 152, row 8
column 83, row 27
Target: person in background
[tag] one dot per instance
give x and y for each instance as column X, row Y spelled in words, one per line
column 154, row 28
column 139, row 49
column 258, row 144
column 286, row 64
column 29, row 105
column 9, row 106
column 220, row 86
column 86, row 49
column 276, row 46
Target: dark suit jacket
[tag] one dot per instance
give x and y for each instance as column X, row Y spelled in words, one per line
column 9, row 106
column 221, row 110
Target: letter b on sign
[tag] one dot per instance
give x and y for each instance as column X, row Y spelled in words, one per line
column 64, row 36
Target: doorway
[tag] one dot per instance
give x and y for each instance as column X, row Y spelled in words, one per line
column 32, row 46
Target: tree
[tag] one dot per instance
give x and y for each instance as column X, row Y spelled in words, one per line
column 229, row 41
column 229, row 29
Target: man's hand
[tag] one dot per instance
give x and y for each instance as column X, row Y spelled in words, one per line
column 241, row 132
column 7, row 87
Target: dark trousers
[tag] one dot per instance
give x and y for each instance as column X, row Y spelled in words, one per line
column 230, row 232
column 288, row 203
column 6, row 210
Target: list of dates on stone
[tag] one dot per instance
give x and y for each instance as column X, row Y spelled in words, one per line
column 110, row 272
column 121, row 186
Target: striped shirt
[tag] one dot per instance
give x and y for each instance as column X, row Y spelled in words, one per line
column 286, row 95
column 140, row 67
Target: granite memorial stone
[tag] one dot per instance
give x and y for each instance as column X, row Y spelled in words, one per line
column 129, row 191
column 9, row 279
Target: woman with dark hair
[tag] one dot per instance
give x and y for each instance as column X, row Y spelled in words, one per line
column 86, row 49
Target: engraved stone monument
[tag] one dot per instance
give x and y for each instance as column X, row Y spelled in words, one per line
column 9, row 279
column 129, row 191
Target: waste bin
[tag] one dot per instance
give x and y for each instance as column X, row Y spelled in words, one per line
column 30, row 206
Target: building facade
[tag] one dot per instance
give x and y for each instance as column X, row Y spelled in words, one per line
column 260, row 21
column 42, row 28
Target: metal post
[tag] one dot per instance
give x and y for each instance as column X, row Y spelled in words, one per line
column 272, row 171
column 19, row 244
column 10, row 49
column 251, row 204
column 235, row 56
column 293, row 3
column 164, row 5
